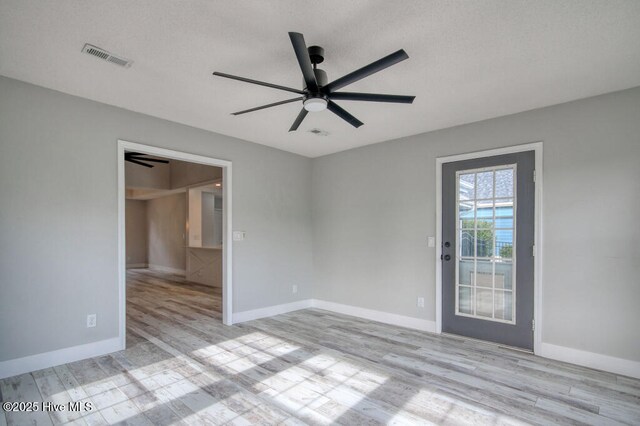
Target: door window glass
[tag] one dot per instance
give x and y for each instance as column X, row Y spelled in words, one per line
column 486, row 241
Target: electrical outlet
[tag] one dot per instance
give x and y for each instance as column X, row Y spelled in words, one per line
column 420, row 302
column 239, row 235
column 91, row 320
column 294, row 288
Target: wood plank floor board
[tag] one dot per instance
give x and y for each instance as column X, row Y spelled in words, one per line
column 53, row 390
column 94, row 419
column 610, row 406
column 73, row 387
column 182, row 366
column 463, row 392
column 540, row 417
column 23, row 388
column 124, row 411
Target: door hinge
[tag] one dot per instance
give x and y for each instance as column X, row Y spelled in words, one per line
column 533, row 325
column 534, row 175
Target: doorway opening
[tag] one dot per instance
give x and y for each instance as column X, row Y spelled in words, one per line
column 488, row 282
column 174, row 226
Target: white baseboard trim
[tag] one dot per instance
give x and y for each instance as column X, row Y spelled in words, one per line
column 384, row 317
column 13, row 367
column 380, row 316
column 137, row 265
column 167, row 269
column 607, row 363
column 271, row 311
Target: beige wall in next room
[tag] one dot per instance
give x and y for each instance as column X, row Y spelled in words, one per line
column 136, row 231
column 166, row 217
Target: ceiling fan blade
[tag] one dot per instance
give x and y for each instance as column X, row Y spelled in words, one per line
column 367, row 70
column 267, row 106
column 260, row 83
column 337, row 110
column 299, row 118
column 152, row 160
column 138, row 162
column 300, row 47
column 140, row 156
column 372, row 97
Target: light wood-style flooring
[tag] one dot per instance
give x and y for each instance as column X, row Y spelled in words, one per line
column 182, row 366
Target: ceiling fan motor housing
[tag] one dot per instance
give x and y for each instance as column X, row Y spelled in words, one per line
column 321, row 78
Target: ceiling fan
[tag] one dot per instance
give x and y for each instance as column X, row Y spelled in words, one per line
column 141, row 160
column 318, row 94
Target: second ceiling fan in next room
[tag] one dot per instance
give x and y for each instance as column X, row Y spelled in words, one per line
column 142, row 159
column 318, row 94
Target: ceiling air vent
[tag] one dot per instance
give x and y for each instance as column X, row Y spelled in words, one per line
column 319, row 132
column 104, row 55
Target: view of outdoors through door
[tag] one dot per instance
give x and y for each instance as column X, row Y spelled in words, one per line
column 485, row 267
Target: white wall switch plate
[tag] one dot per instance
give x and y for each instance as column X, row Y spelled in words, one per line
column 91, row 320
column 431, row 241
column 294, row 288
column 420, row 302
column 239, row 235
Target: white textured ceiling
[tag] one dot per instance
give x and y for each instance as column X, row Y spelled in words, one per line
column 469, row 60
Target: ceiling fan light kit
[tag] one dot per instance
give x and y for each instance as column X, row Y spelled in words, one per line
column 315, row 104
column 317, row 93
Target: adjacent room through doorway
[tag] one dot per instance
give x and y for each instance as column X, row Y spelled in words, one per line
column 174, row 232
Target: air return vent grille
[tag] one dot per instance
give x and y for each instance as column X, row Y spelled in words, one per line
column 319, row 132
column 106, row 56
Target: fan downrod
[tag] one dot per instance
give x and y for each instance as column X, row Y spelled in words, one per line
column 316, row 55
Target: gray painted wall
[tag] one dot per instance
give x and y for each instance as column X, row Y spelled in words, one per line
column 136, row 231
column 166, row 219
column 58, row 168
column 373, row 208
